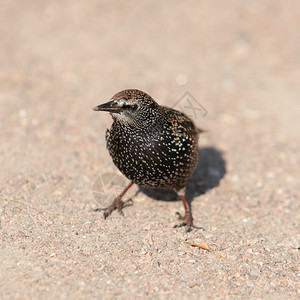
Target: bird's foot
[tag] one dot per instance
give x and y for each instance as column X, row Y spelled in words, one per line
column 117, row 204
column 187, row 220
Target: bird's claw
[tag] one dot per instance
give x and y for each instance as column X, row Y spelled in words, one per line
column 179, row 216
column 127, row 203
column 117, row 204
column 187, row 220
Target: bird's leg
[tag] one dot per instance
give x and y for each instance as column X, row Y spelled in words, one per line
column 117, row 204
column 187, row 219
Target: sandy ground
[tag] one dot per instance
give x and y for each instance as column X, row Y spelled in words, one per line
column 240, row 60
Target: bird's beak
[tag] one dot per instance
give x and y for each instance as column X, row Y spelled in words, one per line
column 110, row 106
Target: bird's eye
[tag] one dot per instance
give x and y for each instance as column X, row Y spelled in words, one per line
column 133, row 107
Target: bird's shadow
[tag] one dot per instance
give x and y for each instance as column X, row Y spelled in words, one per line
column 211, row 168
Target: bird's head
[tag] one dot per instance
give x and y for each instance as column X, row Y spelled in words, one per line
column 132, row 107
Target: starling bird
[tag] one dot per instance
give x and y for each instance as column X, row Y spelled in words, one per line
column 152, row 145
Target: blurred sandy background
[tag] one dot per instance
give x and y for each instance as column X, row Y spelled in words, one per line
column 239, row 59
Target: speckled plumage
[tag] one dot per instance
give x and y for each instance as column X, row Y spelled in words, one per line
column 158, row 152
column 152, row 145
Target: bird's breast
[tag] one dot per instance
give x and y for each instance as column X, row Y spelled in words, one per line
column 156, row 158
